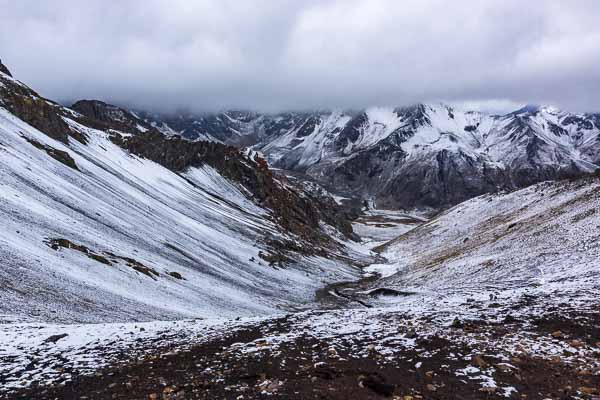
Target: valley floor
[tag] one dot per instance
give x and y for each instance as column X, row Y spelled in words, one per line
column 523, row 348
column 362, row 341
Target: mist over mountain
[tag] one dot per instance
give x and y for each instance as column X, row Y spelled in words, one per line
column 288, row 55
column 363, row 199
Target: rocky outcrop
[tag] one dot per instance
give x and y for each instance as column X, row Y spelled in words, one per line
column 293, row 209
column 108, row 116
column 4, row 70
column 41, row 113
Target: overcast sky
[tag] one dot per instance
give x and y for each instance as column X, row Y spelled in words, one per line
column 280, row 54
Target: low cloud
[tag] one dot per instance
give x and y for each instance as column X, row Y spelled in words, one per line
column 274, row 55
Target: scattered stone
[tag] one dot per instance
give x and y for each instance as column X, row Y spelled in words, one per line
column 588, row 390
column 576, row 343
column 478, row 361
column 376, row 384
column 412, row 334
column 556, row 334
column 55, row 338
column 431, row 387
column 332, row 352
column 456, row 323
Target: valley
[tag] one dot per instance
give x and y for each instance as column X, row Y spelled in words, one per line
column 410, row 253
column 399, row 332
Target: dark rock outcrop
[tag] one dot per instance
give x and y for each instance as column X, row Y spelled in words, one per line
column 4, row 70
column 294, row 211
column 102, row 115
column 41, row 113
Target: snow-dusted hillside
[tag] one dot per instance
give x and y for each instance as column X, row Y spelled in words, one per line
column 486, row 300
column 428, row 155
column 90, row 232
column 542, row 240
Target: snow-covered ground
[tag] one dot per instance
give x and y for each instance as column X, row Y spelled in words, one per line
column 403, row 332
column 543, row 238
column 42, row 352
column 456, row 313
column 377, row 227
column 197, row 236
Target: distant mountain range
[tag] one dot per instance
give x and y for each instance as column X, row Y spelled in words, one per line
column 426, row 155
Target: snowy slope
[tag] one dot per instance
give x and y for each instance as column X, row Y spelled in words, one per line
column 543, row 239
column 121, row 207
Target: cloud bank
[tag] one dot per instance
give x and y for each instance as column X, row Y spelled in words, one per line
column 280, row 54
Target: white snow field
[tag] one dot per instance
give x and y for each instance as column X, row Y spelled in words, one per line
column 199, row 227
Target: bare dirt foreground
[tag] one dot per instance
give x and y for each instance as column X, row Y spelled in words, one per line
column 363, row 354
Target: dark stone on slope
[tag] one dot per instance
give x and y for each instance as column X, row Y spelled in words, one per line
column 58, row 155
column 56, row 338
column 351, row 132
column 308, row 127
column 101, row 115
column 377, row 383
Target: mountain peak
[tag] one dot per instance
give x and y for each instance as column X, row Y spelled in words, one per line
column 4, row 70
column 549, row 109
column 535, row 108
column 527, row 109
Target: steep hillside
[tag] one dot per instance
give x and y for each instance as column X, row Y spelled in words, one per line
column 104, row 219
column 428, row 155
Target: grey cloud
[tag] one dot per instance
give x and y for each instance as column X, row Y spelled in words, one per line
column 306, row 54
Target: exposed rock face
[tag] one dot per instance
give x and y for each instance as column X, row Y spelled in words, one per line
column 295, row 210
column 419, row 156
column 300, row 213
column 107, row 116
column 37, row 111
column 4, row 70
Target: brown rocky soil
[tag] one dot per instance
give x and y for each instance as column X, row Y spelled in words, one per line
column 245, row 365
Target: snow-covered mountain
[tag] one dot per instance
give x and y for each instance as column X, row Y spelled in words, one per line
column 102, row 218
column 427, row 155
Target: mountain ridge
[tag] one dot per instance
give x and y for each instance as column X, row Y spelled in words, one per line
column 424, row 155
column 106, row 219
